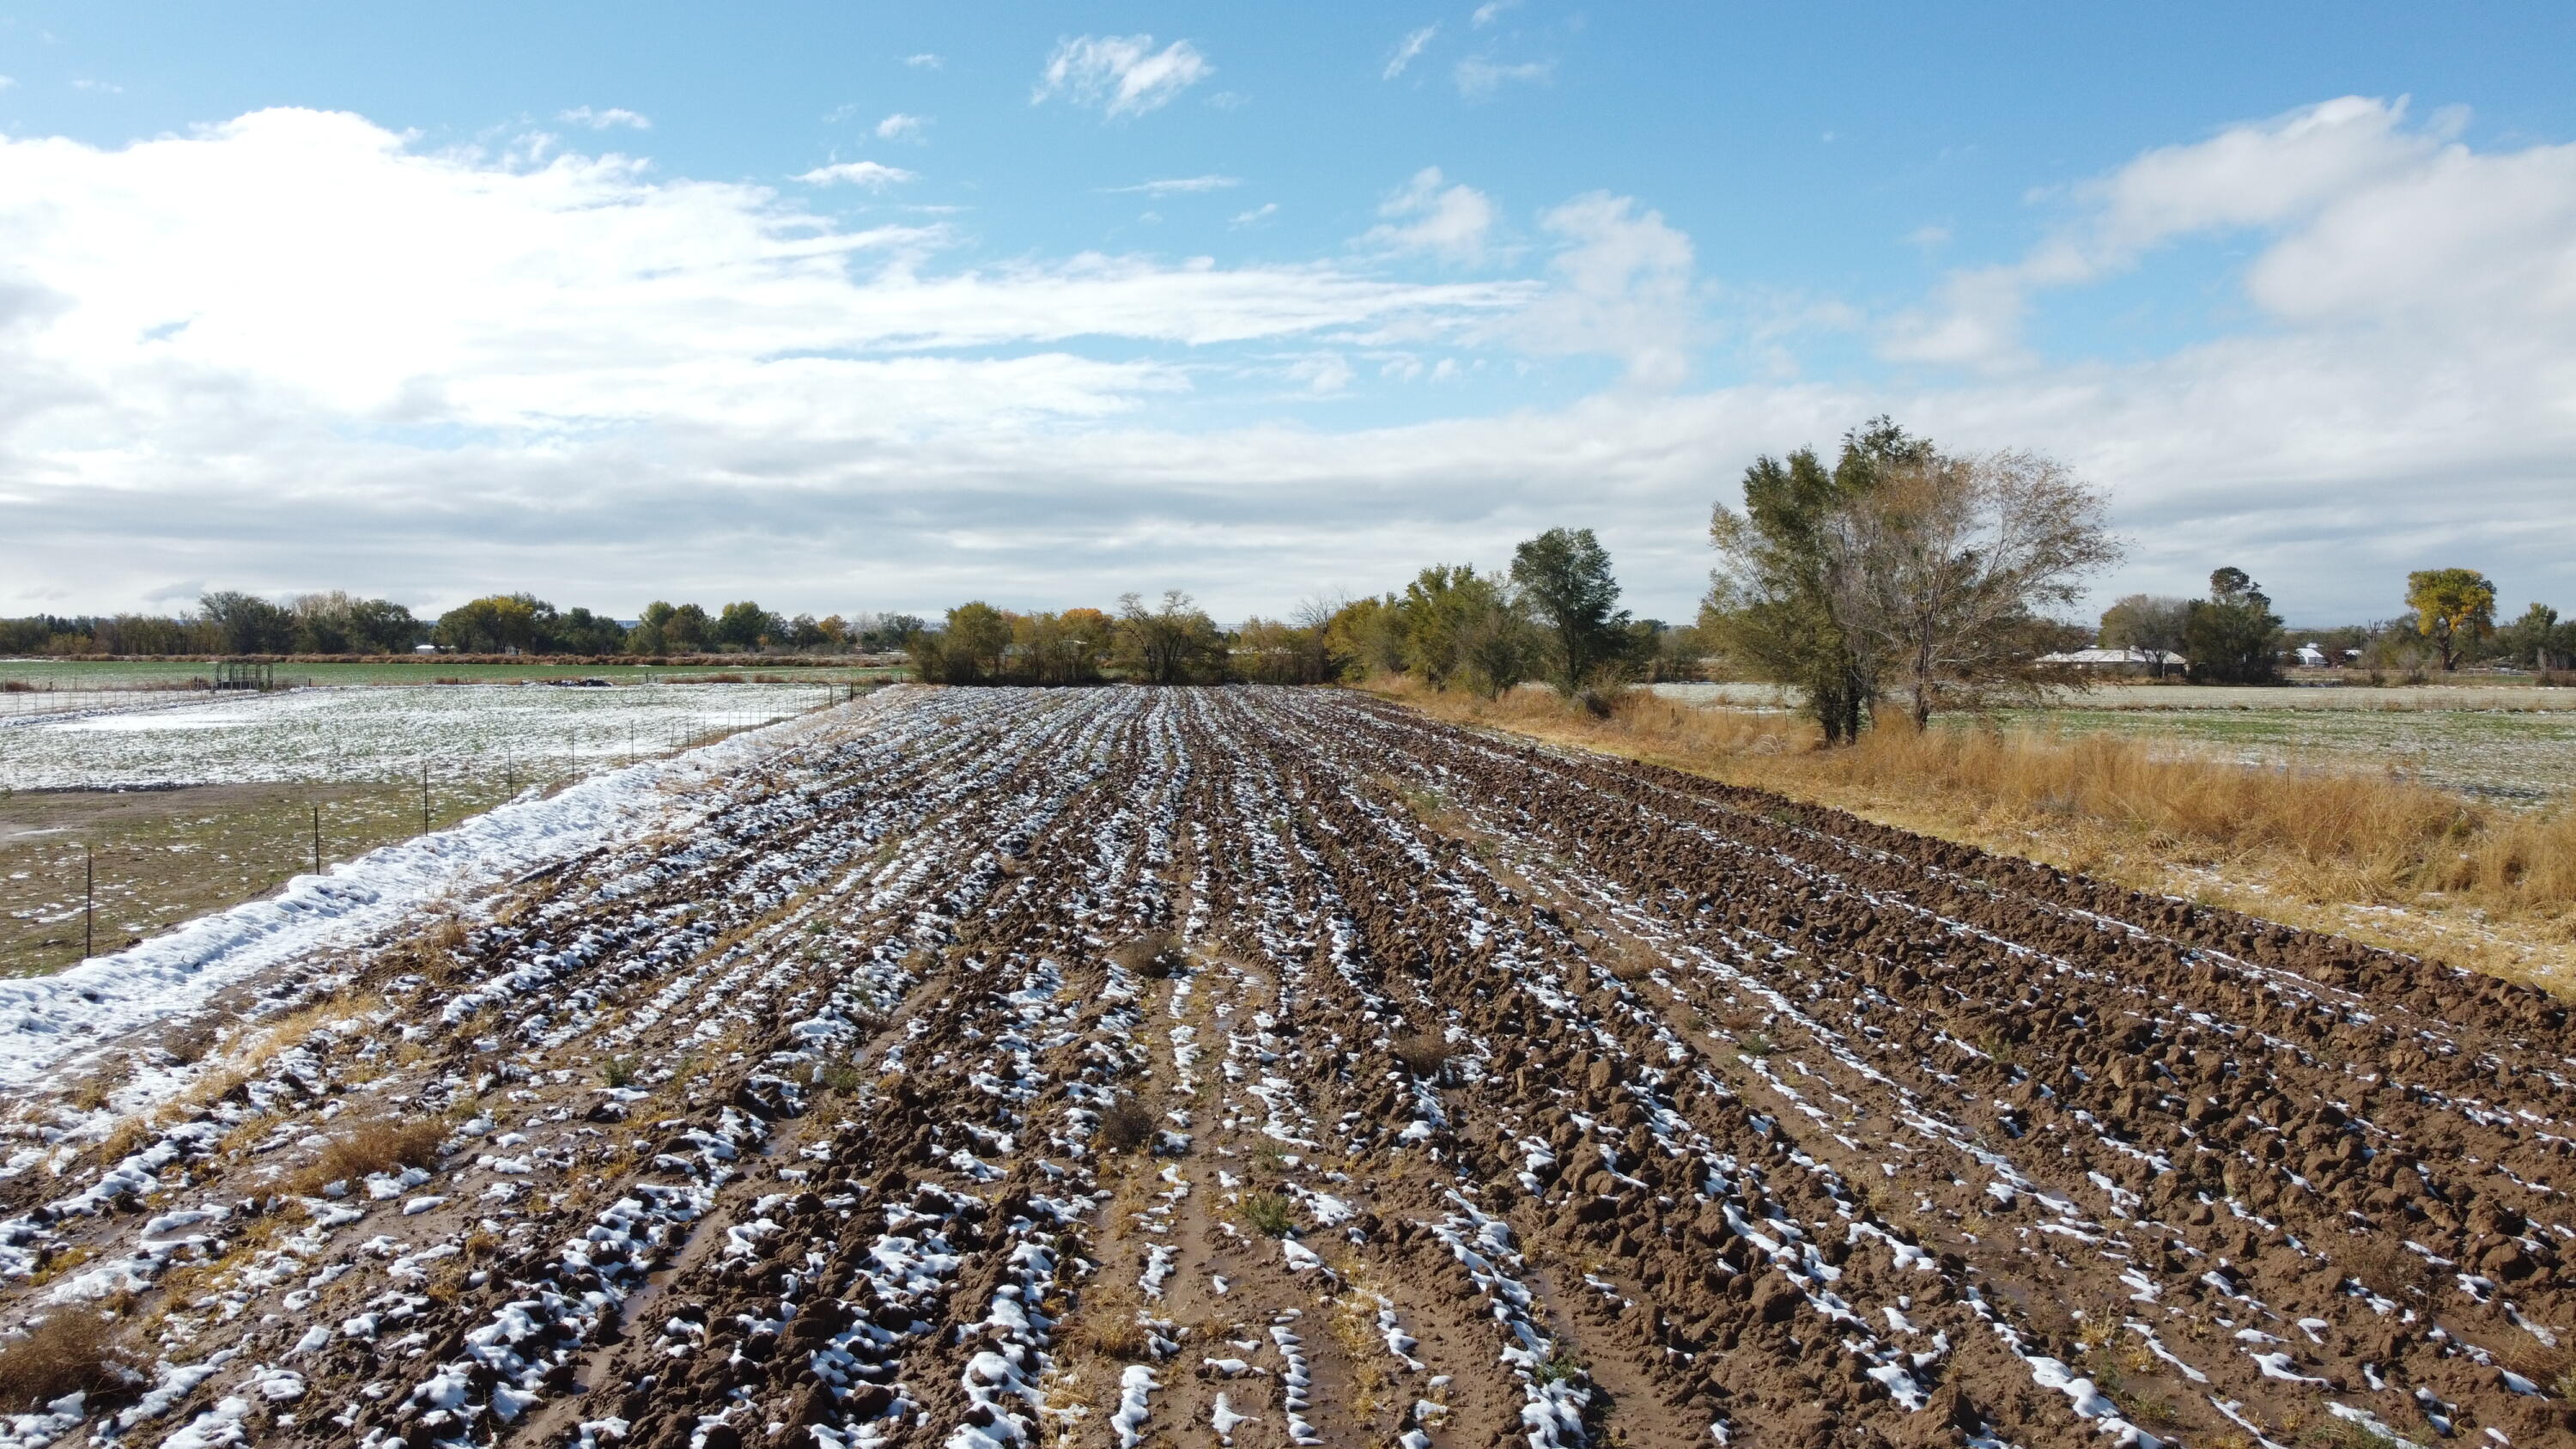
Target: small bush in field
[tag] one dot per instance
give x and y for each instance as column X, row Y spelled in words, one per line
column 1153, row 955
column 1422, row 1053
column 373, row 1145
column 72, row 1351
column 1125, row 1126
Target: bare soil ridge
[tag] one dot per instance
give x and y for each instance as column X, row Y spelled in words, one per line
column 1492, row 1095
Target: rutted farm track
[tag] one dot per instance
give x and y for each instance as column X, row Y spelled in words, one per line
column 1495, row 1096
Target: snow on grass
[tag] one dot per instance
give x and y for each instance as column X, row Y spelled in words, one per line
column 45, row 1020
column 378, row 733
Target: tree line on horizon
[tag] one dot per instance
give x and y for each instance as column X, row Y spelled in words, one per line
column 336, row 623
column 1553, row 616
column 2234, row 637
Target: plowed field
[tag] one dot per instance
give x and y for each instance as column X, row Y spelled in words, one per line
column 1262, row 1068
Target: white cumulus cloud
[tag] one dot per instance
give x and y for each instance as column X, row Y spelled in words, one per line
column 1624, row 287
column 1453, row 222
column 1122, row 74
column 899, row 127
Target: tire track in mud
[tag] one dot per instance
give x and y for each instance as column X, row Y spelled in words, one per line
column 1260, row 1067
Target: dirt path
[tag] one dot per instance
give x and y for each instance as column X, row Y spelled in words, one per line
column 1277, row 1068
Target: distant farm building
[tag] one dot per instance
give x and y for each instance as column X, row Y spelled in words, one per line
column 2114, row 661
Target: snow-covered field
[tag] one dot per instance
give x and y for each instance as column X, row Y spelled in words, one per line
column 378, row 732
column 1270, row 1068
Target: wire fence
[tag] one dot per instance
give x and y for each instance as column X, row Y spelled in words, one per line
column 92, row 868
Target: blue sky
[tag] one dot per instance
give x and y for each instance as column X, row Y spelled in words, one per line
column 883, row 306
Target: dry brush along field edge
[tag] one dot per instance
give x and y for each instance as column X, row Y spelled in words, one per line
column 1263, row 1067
column 2395, row 863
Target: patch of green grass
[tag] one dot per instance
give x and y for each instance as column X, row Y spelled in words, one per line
column 1270, row 1213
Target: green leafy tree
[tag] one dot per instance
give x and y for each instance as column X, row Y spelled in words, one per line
column 2538, row 639
column 2152, row 623
column 1564, row 575
column 1365, row 637
column 582, row 632
column 497, row 624
column 687, row 631
column 247, row 623
column 1438, row 606
column 1771, row 605
column 2232, row 637
column 2453, row 607
column 646, row 637
column 743, row 627
column 1175, row 643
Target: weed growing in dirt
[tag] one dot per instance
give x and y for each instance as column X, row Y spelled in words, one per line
column 1107, row 1323
column 1423, row 1053
column 1125, row 1126
column 375, row 1144
column 1270, row 1213
column 1153, row 955
column 73, row 1351
column 1563, row 1368
column 1754, row 1043
column 620, row 1071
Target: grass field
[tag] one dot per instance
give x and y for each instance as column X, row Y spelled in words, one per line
column 2506, row 743
column 2508, row 756
column 164, row 856
column 352, row 735
column 211, row 801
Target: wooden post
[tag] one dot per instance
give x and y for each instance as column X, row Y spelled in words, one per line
column 424, row 796
column 89, row 903
column 317, row 838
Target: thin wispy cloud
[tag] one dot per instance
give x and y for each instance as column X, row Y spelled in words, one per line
column 924, row 61
column 602, row 120
column 1123, row 75
column 1492, row 10
column 872, row 175
column 1407, row 49
column 1479, row 77
column 1257, row 215
column 1176, row 185
column 901, row 127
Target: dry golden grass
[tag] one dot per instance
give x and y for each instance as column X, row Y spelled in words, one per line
column 2389, row 861
column 73, row 1350
column 372, row 1145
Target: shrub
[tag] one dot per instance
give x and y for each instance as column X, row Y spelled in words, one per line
column 73, row 1351
column 1153, row 955
column 1125, row 1126
column 372, row 1145
column 1422, row 1053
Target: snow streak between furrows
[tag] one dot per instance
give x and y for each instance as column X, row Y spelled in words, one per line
column 998, row 1068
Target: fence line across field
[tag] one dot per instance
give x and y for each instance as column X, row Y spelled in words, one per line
column 460, row 782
